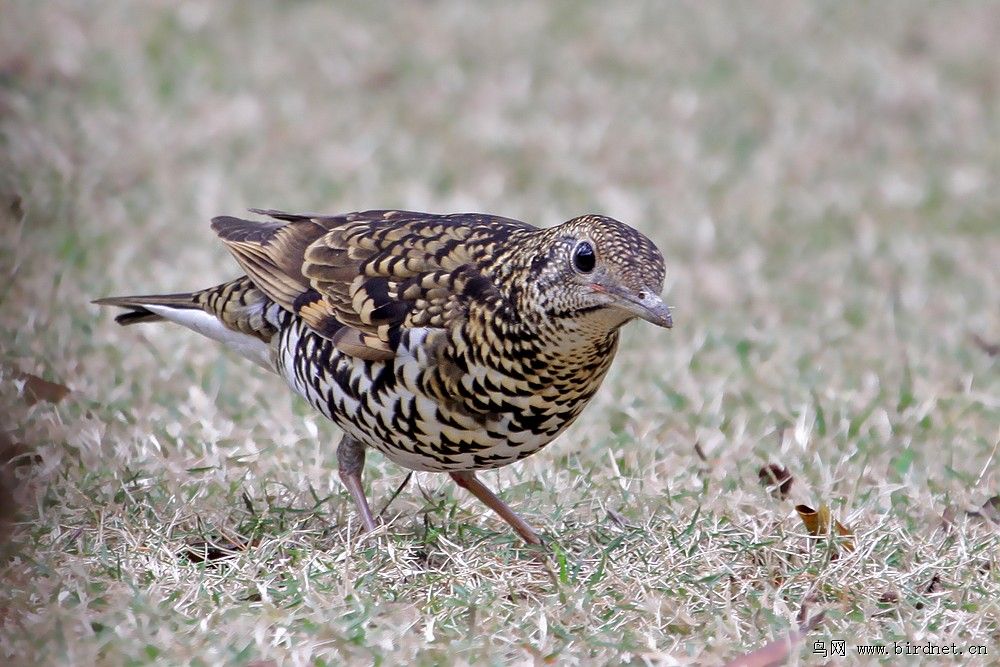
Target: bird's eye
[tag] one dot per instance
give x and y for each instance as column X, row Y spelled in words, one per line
column 584, row 258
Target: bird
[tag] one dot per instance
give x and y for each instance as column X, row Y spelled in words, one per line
column 450, row 343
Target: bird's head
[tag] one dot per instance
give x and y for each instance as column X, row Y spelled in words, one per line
column 600, row 273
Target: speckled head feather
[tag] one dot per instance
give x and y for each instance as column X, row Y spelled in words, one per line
column 622, row 270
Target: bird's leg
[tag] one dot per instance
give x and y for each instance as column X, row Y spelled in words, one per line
column 467, row 480
column 351, row 461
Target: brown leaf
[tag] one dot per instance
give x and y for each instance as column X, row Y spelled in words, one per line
column 992, row 349
column 889, row 597
column 700, row 452
column 16, row 207
column 990, row 510
column 777, row 479
column 9, row 450
column 948, row 517
column 818, row 522
column 39, row 389
column 14, row 454
column 778, row 651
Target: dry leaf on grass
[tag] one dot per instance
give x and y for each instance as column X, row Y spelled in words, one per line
column 948, row 517
column 778, row 651
column 700, row 452
column 990, row 510
column 818, row 522
column 10, row 451
column 992, row 349
column 776, row 479
column 39, row 389
column 14, row 454
column 889, row 597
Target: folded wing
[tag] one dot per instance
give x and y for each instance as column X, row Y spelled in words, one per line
column 362, row 278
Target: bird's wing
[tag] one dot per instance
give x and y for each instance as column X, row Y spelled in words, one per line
column 362, row 278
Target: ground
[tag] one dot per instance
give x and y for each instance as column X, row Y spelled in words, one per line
column 821, row 177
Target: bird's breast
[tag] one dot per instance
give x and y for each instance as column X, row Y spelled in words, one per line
column 440, row 404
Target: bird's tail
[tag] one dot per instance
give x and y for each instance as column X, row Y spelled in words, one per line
column 138, row 310
column 234, row 313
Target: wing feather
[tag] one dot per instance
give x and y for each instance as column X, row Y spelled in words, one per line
column 361, row 278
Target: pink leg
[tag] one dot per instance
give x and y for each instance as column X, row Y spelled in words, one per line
column 351, row 461
column 467, row 480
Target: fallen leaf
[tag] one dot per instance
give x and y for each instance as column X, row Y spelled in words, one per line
column 818, row 522
column 776, row 479
column 889, row 597
column 16, row 207
column 9, row 450
column 39, row 389
column 948, row 517
column 992, row 349
column 700, row 452
column 990, row 510
column 778, row 651
column 14, row 454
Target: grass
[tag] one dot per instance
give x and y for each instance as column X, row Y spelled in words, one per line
column 821, row 178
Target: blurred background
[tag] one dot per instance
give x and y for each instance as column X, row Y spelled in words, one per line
column 821, row 177
column 801, row 126
column 742, row 139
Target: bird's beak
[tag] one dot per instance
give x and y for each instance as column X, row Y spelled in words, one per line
column 647, row 304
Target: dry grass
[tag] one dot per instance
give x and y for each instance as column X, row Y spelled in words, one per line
column 822, row 179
